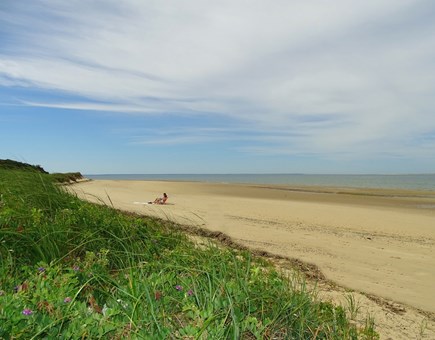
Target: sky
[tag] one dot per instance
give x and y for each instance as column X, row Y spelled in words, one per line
column 231, row 86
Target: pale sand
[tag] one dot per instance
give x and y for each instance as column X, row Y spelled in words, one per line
column 373, row 241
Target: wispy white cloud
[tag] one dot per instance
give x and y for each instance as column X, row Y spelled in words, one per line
column 320, row 77
column 87, row 106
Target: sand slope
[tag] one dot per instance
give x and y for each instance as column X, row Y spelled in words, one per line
column 377, row 242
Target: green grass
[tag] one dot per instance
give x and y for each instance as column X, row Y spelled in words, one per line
column 72, row 269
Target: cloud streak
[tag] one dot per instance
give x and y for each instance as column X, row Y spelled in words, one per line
column 320, row 77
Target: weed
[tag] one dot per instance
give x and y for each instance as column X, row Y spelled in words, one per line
column 353, row 306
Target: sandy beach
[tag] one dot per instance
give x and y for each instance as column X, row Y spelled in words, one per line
column 378, row 242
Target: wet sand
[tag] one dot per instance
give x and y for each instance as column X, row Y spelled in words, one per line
column 379, row 242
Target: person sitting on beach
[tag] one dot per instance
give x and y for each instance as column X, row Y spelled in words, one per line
column 161, row 200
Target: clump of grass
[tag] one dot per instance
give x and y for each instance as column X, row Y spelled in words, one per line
column 72, row 269
column 68, row 177
column 353, row 306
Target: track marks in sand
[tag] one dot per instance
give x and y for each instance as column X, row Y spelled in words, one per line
column 340, row 232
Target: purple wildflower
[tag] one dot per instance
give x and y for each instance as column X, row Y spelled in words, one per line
column 41, row 269
column 190, row 292
column 76, row 268
column 27, row 311
column 179, row 288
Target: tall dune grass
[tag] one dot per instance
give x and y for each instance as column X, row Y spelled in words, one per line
column 71, row 269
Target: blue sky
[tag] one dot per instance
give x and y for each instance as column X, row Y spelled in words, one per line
column 234, row 86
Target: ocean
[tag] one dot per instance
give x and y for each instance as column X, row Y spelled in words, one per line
column 409, row 182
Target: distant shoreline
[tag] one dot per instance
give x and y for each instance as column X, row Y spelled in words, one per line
column 423, row 200
column 421, row 182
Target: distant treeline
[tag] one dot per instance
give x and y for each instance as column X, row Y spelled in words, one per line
column 9, row 164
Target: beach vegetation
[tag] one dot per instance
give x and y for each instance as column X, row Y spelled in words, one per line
column 353, row 306
column 72, row 269
column 16, row 165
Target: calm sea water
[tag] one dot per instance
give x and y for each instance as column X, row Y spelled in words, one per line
column 418, row 182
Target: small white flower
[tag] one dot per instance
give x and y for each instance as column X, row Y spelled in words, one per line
column 122, row 303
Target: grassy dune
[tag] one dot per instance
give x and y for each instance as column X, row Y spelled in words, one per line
column 72, row 269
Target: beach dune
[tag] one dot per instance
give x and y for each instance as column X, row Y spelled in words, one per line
column 379, row 242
